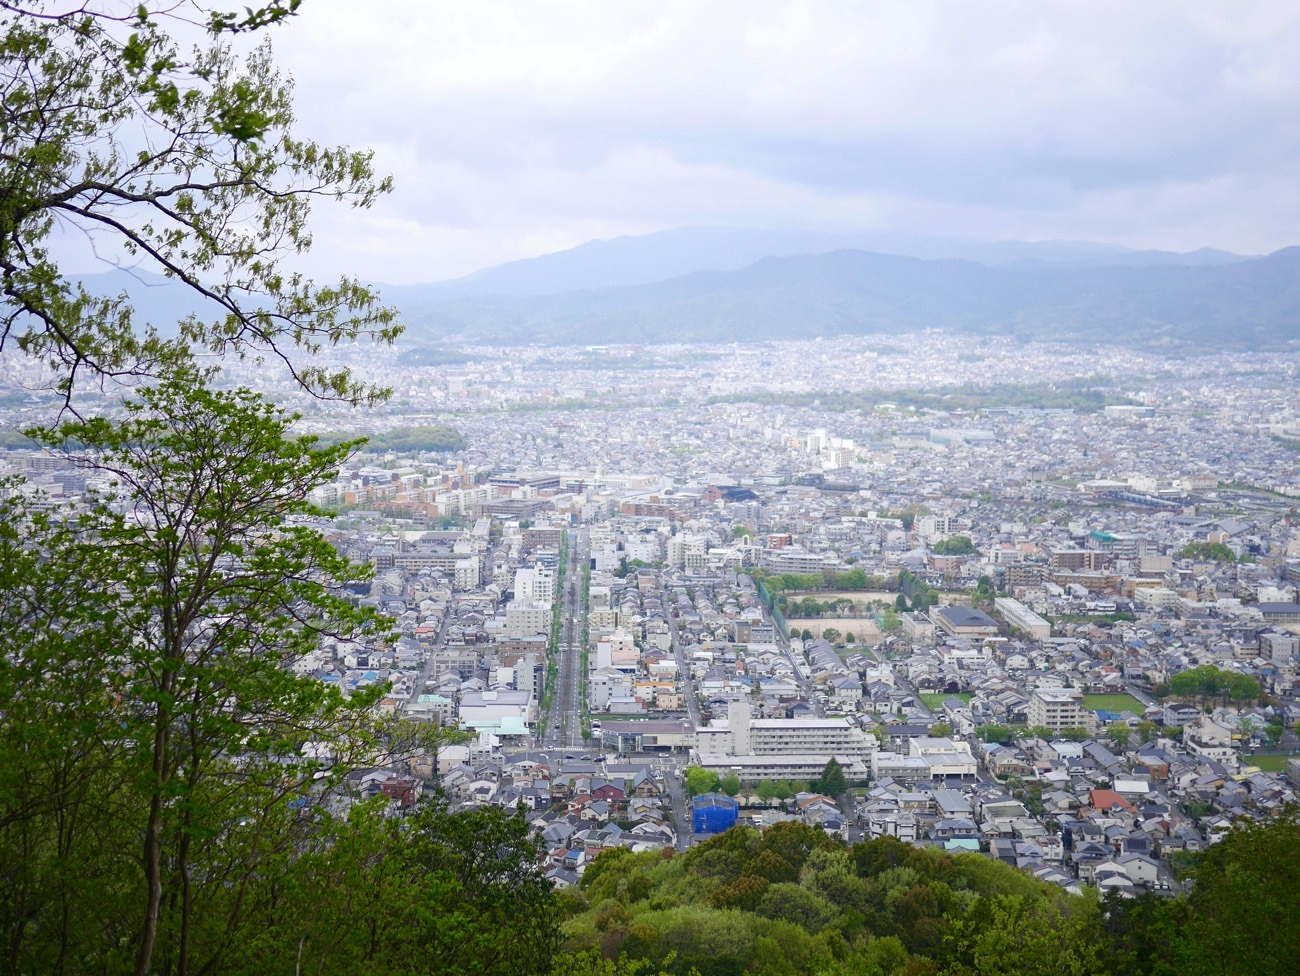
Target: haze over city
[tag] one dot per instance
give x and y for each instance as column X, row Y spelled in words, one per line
column 779, row 488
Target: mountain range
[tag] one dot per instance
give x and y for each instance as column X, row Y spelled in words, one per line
column 725, row 284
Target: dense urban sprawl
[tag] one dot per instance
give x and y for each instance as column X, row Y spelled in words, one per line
column 1035, row 601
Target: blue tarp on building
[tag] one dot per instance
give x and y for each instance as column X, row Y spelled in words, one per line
column 713, row 813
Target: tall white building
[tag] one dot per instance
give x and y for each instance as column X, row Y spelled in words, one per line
column 1059, row 709
column 781, row 748
column 932, row 528
column 523, row 619
column 688, row 551
column 535, row 584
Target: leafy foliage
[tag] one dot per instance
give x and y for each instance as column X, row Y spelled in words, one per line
column 173, row 791
column 162, row 804
column 437, row 892
column 700, row 780
column 918, row 590
column 832, row 782
column 789, row 900
column 434, row 438
column 1244, row 903
column 1208, row 551
column 852, row 579
column 957, row 545
column 182, row 164
column 1209, row 682
column 191, row 592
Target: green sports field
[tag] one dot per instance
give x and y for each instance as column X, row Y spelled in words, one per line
column 1114, row 703
column 1269, row 764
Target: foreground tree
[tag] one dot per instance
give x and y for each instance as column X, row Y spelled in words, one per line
column 435, row 892
column 65, row 797
column 1245, row 902
column 179, row 163
column 197, row 587
column 163, row 780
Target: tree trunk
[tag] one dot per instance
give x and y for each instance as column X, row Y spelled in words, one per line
column 153, row 839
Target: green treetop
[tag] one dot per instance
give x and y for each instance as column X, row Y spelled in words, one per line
column 180, row 163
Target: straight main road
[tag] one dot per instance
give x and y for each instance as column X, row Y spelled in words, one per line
column 564, row 722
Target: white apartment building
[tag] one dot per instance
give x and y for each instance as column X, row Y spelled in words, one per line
column 535, row 584
column 1059, row 709
column 525, row 619
column 742, row 735
column 617, row 650
column 793, row 559
column 467, row 573
column 605, row 618
column 755, row 769
column 688, row 551
column 501, row 712
column 932, row 528
column 947, row 759
column 1022, row 618
column 460, row 501
column 607, row 684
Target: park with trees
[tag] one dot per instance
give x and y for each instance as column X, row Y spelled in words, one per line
column 1208, row 684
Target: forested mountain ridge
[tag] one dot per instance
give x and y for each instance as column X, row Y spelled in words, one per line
column 1248, row 304
column 646, row 258
column 1243, row 303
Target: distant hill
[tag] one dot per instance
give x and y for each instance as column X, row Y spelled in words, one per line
column 158, row 301
column 669, row 254
column 1251, row 303
column 728, row 284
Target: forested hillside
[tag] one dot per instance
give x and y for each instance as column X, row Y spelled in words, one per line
column 1248, row 305
column 791, row 901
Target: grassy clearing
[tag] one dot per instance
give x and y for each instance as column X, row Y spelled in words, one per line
column 1269, row 764
column 934, row 699
column 1114, row 703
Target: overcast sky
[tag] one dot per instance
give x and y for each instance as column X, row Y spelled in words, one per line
column 518, row 128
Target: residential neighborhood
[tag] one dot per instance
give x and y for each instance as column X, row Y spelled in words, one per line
column 1064, row 636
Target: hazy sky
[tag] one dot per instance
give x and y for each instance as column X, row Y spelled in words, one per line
column 518, row 128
